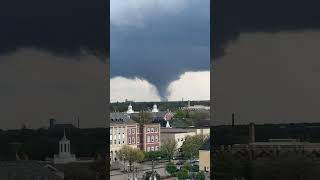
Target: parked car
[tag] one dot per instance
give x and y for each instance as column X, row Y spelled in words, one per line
column 179, row 163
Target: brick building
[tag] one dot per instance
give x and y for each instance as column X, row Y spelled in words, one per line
column 125, row 131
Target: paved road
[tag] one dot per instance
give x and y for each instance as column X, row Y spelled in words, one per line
column 160, row 170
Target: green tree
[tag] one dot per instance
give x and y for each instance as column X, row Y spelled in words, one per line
column 228, row 166
column 152, row 155
column 200, row 176
column 143, row 118
column 180, row 113
column 200, row 114
column 149, row 173
column 183, row 174
column 130, row 155
column 168, row 148
column 191, row 145
column 171, row 168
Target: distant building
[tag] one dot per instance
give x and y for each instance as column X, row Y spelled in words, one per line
column 204, row 157
column 64, row 155
column 196, row 107
column 273, row 147
column 54, row 125
column 28, row 170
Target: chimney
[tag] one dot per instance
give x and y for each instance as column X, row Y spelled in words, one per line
column 251, row 133
column 78, row 121
column 232, row 123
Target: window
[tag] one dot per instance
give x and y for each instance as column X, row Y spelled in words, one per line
column 148, row 130
column 152, row 138
column 152, row 148
column 115, row 141
column 156, row 129
column 178, row 139
column 156, row 138
column 137, row 130
column 110, row 141
column 148, row 149
column 65, row 148
column 152, row 130
column 122, row 142
column 133, row 140
column 119, row 131
column 129, row 140
column 156, row 148
column 133, row 131
column 181, row 139
column 129, row 131
column 148, row 139
column 119, row 141
column 118, row 136
column 138, row 140
column 111, row 137
column 122, row 136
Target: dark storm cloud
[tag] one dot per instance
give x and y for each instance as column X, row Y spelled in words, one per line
column 266, row 66
column 63, row 27
column 230, row 18
column 48, row 86
column 164, row 47
column 52, row 62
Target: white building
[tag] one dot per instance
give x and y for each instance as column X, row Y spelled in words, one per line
column 64, row 155
column 196, row 107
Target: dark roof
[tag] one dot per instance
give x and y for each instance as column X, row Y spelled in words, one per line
column 120, row 118
column 206, row 145
column 26, row 170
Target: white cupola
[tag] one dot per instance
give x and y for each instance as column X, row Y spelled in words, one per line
column 64, row 155
column 155, row 108
column 130, row 110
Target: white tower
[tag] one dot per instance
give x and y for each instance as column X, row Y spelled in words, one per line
column 155, row 108
column 130, row 110
column 64, row 155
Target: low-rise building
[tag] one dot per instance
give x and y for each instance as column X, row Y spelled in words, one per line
column 204, row 157
column 180, row 134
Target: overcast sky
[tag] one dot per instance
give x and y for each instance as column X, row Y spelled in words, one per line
column 160, row 50
column 51, row 62
column 266, row 61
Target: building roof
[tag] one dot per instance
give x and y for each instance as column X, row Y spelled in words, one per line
column 206, row 145
column 26, row 170
column 120, row 118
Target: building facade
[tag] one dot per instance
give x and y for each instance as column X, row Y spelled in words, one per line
column 125, row 131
